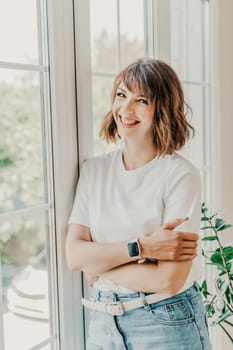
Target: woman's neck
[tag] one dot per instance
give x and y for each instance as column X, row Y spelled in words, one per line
column 135, row 156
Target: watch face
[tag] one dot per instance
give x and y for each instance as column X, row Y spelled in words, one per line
column 133, row 249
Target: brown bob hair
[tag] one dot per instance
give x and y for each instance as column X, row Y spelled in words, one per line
column 159, row 83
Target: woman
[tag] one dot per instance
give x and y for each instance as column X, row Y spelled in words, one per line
column 123, row 231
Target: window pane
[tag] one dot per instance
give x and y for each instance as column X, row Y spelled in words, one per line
column 103, row 22
column 132, row 30
column 101, row 95
column 21, row 158
column 195, row 40
column 178, row 38
column 24, row 280
column 187, row 38
column 195, row 99
column 18, row 31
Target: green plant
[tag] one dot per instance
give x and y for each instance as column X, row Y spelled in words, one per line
column 219, row 303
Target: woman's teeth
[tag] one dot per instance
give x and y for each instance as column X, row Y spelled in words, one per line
column 127, row 121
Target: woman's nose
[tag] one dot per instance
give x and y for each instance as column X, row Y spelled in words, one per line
column 127, row 108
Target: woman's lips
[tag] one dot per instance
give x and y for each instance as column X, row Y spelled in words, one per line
column 127, row 122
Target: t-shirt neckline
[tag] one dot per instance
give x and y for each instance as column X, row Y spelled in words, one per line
column 138, row 170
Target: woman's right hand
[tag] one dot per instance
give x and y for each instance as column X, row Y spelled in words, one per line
column 166, row 244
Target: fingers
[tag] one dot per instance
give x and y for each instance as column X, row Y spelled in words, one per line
column 173, row 224
column 189, row 244
column 186, row 257
column 188, row 236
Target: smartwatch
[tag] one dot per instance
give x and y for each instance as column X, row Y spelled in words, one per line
column 134, row 249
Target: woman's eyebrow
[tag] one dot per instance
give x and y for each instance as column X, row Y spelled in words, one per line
column 121, row 89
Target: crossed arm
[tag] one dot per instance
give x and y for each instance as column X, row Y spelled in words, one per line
column 174, row 250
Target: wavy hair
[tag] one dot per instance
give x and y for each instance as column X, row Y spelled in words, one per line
column 159, row 83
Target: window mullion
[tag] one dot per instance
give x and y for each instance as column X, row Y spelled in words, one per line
column 162, row 30
column 149, row 32
column 118, row 33
column 23, row 66
column 1, row 311
column 28, row 211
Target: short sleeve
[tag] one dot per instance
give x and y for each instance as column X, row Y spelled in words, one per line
column 80, row 210
column 183, row 198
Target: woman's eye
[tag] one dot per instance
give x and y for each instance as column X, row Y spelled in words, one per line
column 120, row 94
column 142, row 100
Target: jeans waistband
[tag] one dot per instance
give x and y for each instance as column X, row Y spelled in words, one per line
column 111, row 296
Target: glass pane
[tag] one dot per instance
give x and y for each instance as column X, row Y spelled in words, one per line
column 187, row 38
column 132, row 31
column 195, row 99
column 178, row 38
column 195, row 31
column 103, row 22
column 101, row 105
column 24, row 280
column 18, row 31
column 21, row 158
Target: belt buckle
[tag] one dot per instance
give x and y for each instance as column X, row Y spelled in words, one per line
column 114, row 309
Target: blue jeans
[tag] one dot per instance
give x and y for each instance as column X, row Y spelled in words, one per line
column 175, row 323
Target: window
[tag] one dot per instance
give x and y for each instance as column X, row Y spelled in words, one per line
column 190, row 45
column 116, row 40
column 41, row 93
column 27, row 246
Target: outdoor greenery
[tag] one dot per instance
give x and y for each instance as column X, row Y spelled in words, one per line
column 21, row 158
column 219, row 298
column 21, row 166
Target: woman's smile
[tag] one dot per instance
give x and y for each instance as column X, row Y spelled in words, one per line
column 126, row 122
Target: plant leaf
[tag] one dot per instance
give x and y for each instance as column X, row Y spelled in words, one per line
column 219, row 222
column 223, row 227
column 206, row 227
column 212, row 216
column 203, row 289
column 228, row 253
column 216, row 258
column 209, row 238
column 224, row 287
column 204, row 218
column 221, row 318
column 203, row 209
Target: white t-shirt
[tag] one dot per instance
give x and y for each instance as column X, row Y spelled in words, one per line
column 119, row 205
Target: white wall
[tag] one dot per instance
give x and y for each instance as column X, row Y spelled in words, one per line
column 226, row 103
column 223, row 115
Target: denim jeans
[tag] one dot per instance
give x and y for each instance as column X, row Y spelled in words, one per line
column 175, row 323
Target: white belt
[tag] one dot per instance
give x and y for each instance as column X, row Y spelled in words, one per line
column 119, row 308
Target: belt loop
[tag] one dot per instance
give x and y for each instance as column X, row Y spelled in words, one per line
column 197, row 287
column 114, row 297
column 145, row 303
column 97, row 297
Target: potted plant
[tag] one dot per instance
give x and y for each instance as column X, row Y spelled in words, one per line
column 219, row 301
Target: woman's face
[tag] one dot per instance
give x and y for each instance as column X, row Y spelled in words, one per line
column 133, row 114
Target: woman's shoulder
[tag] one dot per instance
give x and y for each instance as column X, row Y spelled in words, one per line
column 177, row 161
column 101, row 160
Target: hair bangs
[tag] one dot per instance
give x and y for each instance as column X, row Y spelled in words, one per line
column 136, row 80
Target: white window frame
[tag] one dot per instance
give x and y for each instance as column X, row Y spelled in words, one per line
column 45, row 208
column 65, row 159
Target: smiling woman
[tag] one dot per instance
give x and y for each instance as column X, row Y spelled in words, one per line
column 125, row 210
column 144, row 97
